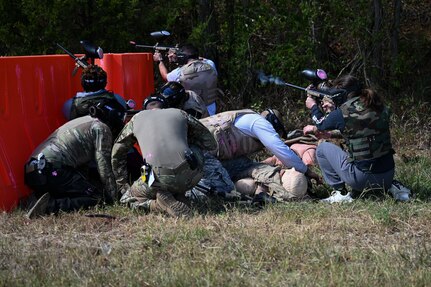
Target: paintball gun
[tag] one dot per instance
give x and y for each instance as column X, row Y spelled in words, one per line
column 160, row 36
column 90, row 52
column 318, row 78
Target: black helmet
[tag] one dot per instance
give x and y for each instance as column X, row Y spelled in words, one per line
column 93, row 78
column 174, row 93
column 187, row 52
column 111, row 114
column 154, row 98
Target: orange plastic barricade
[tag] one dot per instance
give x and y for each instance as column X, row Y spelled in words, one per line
column 32, row 92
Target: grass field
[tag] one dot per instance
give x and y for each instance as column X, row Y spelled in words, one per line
column 364, row 243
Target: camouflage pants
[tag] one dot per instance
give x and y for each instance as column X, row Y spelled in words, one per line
column 69, row 191
column 167, row 193
column 264, row 174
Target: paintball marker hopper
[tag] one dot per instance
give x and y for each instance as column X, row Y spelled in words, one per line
column 91, row 52
column 315, row 76
column 160, row 36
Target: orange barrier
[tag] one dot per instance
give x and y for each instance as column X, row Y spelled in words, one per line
column 32, row 92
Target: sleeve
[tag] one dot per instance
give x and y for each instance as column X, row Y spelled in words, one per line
column 121, row 100
column 199, row 134
column 317, row 115
column 174, row 75
column 103, row 145
column 67, row 107
column 333, row 121
column 122, row 145
column 266, row 134
column 212, row 64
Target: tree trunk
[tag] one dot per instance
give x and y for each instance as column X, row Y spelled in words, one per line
column 207, row 15
column 376, row 44
column 395, row 34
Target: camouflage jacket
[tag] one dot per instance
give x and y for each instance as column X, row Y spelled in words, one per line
column 366, row 131
column 77, row 143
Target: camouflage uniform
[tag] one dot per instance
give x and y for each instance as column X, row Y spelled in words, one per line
column 171, row 142
column 369, row 162
column 71, row 147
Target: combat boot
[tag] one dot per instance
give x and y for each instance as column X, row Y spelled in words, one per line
column 39, row 208
column 168, row 203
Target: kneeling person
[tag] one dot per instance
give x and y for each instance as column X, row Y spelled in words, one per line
column 54, row 168
column 171, row 142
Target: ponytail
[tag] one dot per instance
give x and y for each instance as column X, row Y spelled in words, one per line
column 372, row 100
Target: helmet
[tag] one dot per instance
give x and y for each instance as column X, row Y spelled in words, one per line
column 110, row 114
column 174, row 94
column 187, row 52
column 152, row 99
column 274, row 117
column 93, row 78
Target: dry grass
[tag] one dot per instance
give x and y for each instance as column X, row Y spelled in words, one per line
column 307, row 244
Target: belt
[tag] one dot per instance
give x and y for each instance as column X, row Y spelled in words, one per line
column 168, row 171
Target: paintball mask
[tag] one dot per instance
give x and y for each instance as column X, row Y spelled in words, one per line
column 152, row 99
column 110, row 115
column 275, row 121
column 339, row 96
column 174, row 93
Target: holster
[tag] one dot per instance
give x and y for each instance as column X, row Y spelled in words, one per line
column 191, row 159
column 35, row 178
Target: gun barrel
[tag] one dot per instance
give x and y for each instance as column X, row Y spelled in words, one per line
column 294, row 86
column 67, row 52
column 155, row 47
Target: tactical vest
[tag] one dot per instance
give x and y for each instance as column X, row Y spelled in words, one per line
column 231, row 142
column 366, row 132
column 80, row 105
column 195, row 106
column 201, row 78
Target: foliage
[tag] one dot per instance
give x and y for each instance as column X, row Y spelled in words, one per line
column 278, row 37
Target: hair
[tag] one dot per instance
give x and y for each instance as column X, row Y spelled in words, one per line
column 368, row 96
column 191, row 51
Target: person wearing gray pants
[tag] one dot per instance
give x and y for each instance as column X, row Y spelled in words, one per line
column 363, row 120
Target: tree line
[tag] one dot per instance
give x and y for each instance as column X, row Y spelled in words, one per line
column 384, row 42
